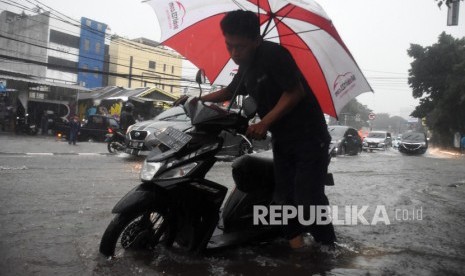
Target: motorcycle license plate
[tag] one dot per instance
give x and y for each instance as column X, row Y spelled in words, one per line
column 174, row 138
column 137, row 145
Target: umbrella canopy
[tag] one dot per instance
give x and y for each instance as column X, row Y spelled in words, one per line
column 192, row 27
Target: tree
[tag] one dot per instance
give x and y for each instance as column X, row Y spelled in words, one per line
column 437, row 79
column 353, row 114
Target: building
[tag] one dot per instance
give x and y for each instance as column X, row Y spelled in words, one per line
column 142, row 63
column 24, row 37
column 46, row 47
column 93, row 53
column 46, row 62
column 39, row 63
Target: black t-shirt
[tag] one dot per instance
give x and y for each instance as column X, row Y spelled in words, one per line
column 126, row 119
column 273, row 71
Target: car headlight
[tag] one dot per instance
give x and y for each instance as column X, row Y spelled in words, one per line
column 149, row 169
column 179, row 171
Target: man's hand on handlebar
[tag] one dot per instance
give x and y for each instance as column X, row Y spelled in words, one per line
column 181, row 100
column 257, row 131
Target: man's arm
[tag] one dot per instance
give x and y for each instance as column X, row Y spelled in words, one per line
column 217, row 96
column 288, row 100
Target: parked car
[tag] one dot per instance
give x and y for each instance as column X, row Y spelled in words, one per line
column 94, row 129
column 345, row 140
column 141, row 135
column 413, row 143
column 377, row 140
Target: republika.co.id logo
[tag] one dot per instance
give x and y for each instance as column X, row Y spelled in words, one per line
column 175, row 13
column 343, row 84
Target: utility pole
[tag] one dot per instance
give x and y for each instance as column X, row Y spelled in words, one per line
column 130, row 72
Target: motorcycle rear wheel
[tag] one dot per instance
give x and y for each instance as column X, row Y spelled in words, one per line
column 133, row 231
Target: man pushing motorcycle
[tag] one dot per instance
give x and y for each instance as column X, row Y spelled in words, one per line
column 288, row 109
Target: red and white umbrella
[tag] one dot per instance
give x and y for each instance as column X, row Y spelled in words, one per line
column 192, row 27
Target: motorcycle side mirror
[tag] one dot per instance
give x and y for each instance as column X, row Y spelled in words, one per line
column 200, row 77
column 249, row 107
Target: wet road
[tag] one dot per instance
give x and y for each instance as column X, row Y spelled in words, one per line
column 55, row 203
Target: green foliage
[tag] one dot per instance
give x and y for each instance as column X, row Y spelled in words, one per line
column 437, row 79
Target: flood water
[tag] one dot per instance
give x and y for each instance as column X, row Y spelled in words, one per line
column 54, row 210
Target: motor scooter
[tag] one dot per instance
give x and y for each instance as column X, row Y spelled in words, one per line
column 22, row 125
column 116, row 140
column 176, row 204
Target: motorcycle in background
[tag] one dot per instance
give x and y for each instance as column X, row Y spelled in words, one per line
column 22, row 125
column 116, row 140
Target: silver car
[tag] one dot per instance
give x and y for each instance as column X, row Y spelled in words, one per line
column 377, row 140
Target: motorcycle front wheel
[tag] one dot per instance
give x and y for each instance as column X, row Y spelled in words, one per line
column 133, row 232
column 114, row 147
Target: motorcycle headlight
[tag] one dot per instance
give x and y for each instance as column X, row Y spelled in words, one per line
column 179, row 171
column 149, row 169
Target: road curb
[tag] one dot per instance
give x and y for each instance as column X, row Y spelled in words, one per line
column 54, row 153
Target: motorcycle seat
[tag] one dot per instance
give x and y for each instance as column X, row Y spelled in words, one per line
column 253, row 173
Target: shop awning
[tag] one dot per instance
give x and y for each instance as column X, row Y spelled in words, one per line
column 11, row 75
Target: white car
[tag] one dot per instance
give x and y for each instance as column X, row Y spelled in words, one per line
column 377, row 140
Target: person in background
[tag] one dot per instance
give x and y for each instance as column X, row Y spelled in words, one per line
column 127, row 117
column 3, row 112
column 44, row 123
column 74, row 128
column 91, row 111
column 462, row 145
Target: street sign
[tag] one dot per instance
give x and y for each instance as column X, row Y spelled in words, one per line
column 453, row 13
column 371, row 116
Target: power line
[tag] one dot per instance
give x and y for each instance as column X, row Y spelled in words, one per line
column 119, row 41
column 77, row 24
column 142, row 78
column 86, row 57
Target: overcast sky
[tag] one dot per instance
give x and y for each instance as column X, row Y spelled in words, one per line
column 378, row 33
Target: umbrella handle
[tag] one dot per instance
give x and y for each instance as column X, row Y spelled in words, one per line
column 233, row 98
